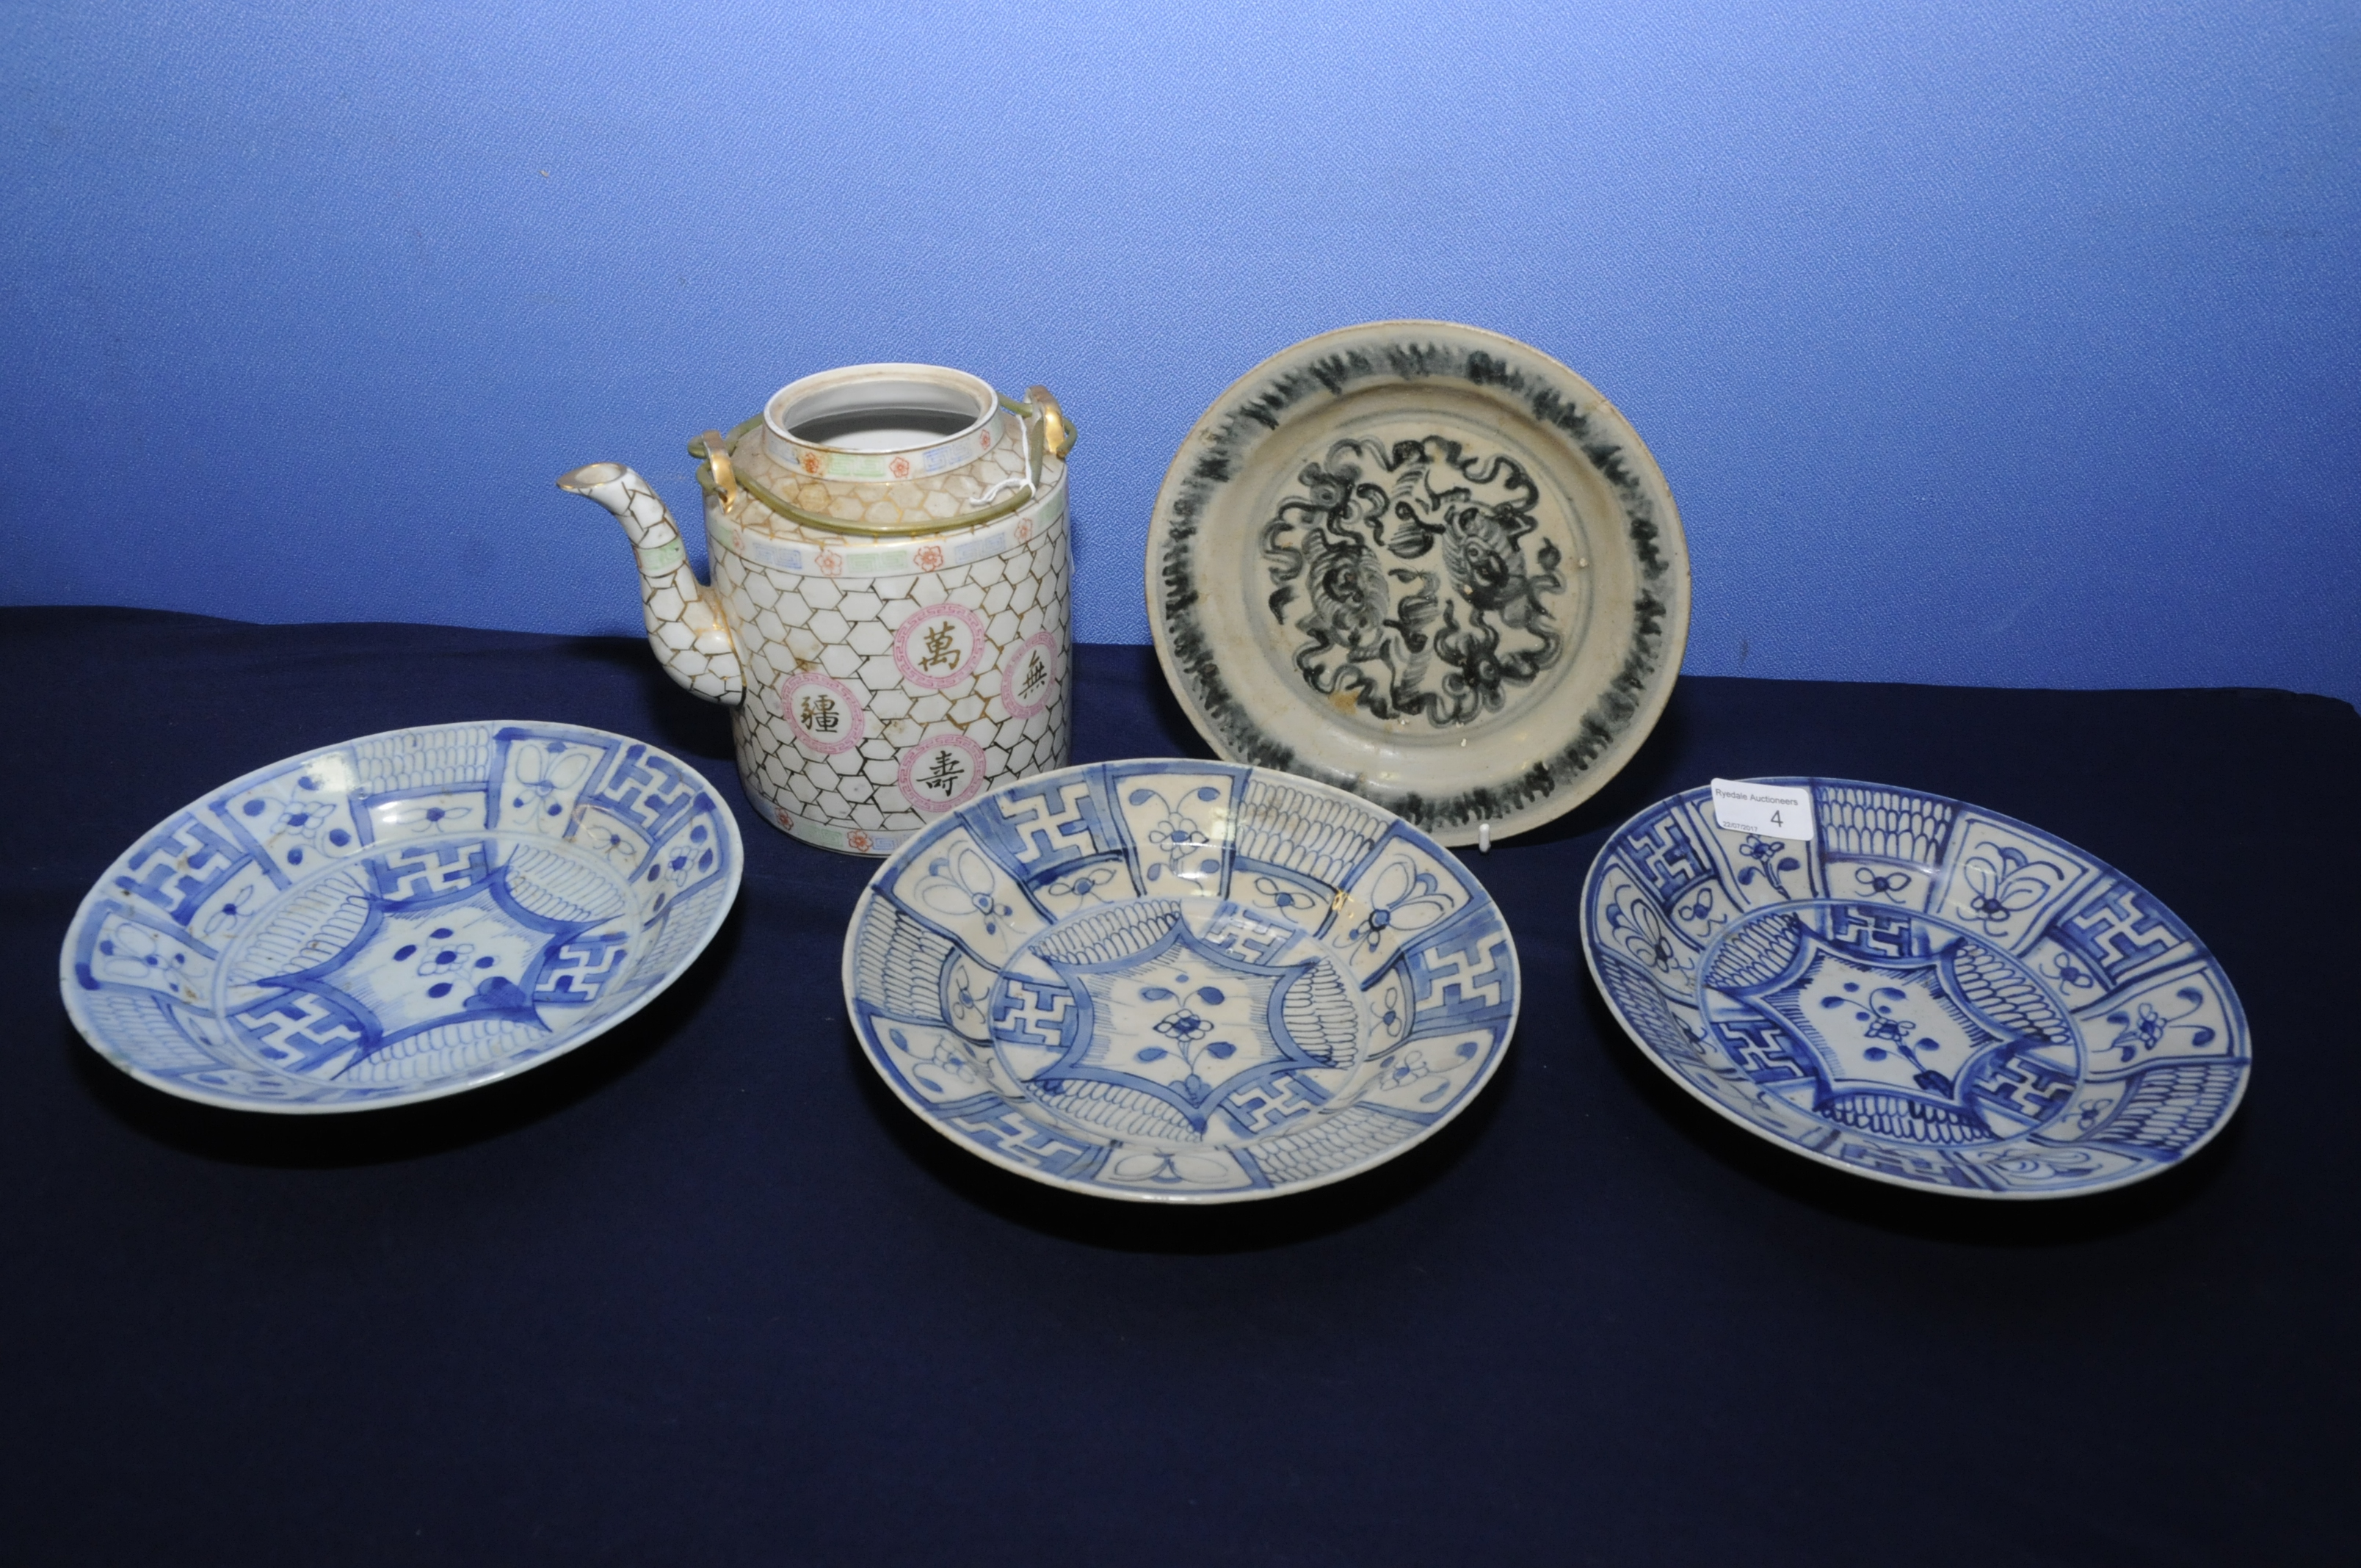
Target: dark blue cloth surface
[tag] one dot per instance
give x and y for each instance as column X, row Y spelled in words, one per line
column 704, row 1292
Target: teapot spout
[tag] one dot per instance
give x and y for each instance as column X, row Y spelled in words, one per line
column 684, row 625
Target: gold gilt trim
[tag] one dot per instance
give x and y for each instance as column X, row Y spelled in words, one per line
column 793, row 513
column 1057, row 438
column 1057, row 429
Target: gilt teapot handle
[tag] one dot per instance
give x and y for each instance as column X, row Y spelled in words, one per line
column 714, row 447
column 1047, row 430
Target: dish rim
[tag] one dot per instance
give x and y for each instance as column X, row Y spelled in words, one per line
column 68, row 990
column 870, row 892
column 2235, row 1008
column 1647, row 712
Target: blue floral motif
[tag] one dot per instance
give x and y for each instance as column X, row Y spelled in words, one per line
column 1392, row 1012
column 1178, row 836
column 618, row 848
column 2144, row 1028
column 1187, row 1030
column 1272, row 894
column 1698, row 908
column 2072, row 974
column 544, row 772
column 1088, row 884
column 944, row 1071
column 1876, row 884
column 965, row 995
column 437, row 818
column 1410, row 1066
column 138, row 955
column 1769, row 862
column 1403, row 899
column 1876, row 1015
column 2005, row 881
column 1633, row 925
column 296, row 820
column 234, row 912
column 961, row 884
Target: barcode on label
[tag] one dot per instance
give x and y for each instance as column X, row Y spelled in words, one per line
column 1778, row 811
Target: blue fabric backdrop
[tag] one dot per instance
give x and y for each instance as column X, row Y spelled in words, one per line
column 2007, row 342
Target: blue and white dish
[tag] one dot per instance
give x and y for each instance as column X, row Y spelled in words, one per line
column 400, row 916
column 1179, row 982
column 1924, row 993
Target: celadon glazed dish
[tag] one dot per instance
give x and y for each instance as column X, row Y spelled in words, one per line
column 1924, row 993
column 1179, row 982
column 1426, row 563
column 400, row 916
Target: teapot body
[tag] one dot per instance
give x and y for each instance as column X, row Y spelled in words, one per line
column 891, row 679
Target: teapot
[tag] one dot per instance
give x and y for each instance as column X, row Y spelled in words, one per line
column 888, row 617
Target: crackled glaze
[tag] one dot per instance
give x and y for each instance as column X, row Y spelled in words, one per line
column 1424, row 563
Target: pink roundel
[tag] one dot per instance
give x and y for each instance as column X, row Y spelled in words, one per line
column 822, row 712
column 938, row 647
column 942, row 771
column 1030, row 679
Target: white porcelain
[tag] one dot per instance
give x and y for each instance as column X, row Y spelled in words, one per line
column 400, row 917
column 1924, row 993
column 1424, row 563
column 889, row 616
column 1179, row 982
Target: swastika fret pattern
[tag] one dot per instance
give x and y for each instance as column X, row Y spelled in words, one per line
column 262, row 950
column 1229, row 1040
column 1971, row 1005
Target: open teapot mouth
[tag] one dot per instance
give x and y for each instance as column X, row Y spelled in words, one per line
column 881, row 408
column 949, row 448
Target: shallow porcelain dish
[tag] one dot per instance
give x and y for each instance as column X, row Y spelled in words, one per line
column 1424, row 563
column 1925, row 992
column 1179, row 982
column 400, row 916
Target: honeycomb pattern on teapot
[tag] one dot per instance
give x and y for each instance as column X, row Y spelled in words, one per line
column 916, row 498
column 834, row 640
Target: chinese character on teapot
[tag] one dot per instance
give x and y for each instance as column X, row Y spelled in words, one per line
column 888, row 617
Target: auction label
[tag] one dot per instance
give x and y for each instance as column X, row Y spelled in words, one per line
column 1777, row 811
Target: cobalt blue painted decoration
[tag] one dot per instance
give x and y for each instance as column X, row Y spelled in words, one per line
column 401, row 917
column 1179, row 982
column 1924, row 993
